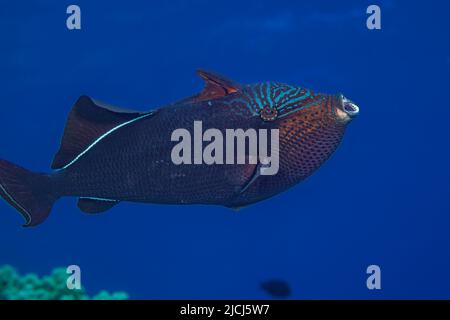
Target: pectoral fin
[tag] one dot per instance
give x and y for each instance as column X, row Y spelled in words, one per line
column 252, row 179
column 246, row 175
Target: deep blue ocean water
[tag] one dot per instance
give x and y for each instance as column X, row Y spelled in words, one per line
column 383, row 198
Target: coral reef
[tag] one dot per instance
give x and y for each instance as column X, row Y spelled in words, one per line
column 13, row 286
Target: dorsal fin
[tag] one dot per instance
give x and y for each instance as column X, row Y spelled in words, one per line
column 88, row 122
column 216, row 86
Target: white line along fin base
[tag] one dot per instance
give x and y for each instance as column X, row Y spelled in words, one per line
column 88, row 123
column 95, row 205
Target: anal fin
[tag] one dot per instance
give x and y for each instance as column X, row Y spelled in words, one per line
column 95, row 205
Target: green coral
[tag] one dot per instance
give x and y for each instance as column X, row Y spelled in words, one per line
column 13, row 286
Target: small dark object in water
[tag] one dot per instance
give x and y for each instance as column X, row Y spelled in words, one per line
column 277, row 288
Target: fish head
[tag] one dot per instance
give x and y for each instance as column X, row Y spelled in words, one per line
column 277, row 101
column 310, row 125
column 318, row 109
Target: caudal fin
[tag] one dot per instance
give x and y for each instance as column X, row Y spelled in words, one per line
column 29, row 193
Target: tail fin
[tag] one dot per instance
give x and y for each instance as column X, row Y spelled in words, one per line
column 29, row 193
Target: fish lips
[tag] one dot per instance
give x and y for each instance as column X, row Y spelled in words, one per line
column 349, row 107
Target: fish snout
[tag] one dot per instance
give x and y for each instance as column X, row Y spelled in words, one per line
column 347, row 109
column 350, row 108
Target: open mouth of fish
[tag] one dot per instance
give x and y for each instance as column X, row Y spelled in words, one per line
column 349, row 107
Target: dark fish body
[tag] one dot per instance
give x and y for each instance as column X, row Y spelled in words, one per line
column 108, row 155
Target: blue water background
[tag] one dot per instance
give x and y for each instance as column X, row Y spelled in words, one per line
column 383, row 198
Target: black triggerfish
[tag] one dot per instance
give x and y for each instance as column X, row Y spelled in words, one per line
column 108, row 155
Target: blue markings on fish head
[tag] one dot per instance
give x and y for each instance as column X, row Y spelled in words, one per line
column 273, row 100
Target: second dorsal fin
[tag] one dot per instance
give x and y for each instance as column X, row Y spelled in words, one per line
column 89, row 122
